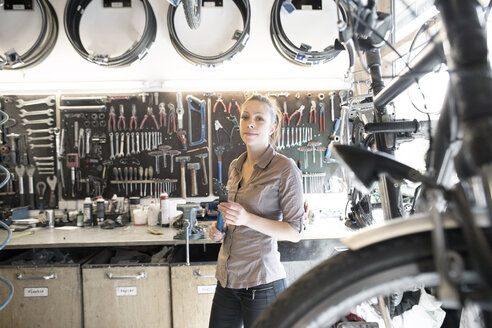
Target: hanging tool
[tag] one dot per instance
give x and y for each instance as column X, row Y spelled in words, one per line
column 182, row 138
column 235, row 125
column 164, row 149
column 204, row 168
column 41, row 189
column 333, row 138
column 151, row 185
column 20, row 170
column 321, row 151
column 312, row 110
column 182, row 160
column 151, row 114
column 116, row 177
column 332, row 105
column 157, row 155
column 172, row 153
column 179, row 110
column 220, row 101
column 141, row 176
column 218, row 128
column 52, row 181
column 297, row 111
column 133, row 118
column 285, row 114
column 219, row 151
column 72, row 161
column 111, row 119
column 322, row 117
column 236, row 105
column 59, row 154
column 191, row 101
column 313, row 145
column 125, row 171
column 172, row 119
column 121, row 118
column 30, row 169
column 162, row 114
column 193, row 167
column 223, row 194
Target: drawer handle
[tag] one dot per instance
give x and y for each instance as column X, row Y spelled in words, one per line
column 19, row 276
column 197, row 274
column 139, row 276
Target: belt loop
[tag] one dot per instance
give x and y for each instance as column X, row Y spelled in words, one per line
column 253, row 294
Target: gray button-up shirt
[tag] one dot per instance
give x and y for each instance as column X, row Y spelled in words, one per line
column 248, row 258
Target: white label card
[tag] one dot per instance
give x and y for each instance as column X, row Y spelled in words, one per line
column 126, row 291
column 35, row 291
column 206, row 289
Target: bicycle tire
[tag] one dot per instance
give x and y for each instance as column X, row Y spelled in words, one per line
column 326, row 294
column 192, row 10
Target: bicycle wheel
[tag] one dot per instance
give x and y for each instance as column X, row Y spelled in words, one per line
column 192, row 10
column 326, row 294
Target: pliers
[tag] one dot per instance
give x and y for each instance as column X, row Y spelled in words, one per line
column 312, row 110
column 219, row 127
column 235, row 105
column 112, row 117
column 133, row 118
column 149, row 113
column 296, row 112
column 221, row 101
column 285, row 115
column 172, row 118
column 162, row 114
column 121, row 118
column 322, row 117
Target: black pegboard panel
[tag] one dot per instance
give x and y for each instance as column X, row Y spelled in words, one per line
column 28, row 154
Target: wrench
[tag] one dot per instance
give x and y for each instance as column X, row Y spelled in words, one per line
column 34, row 146
column 47, row 158
column 48, row 121
column 117, row 145
column 138, row 142
column 48, row 130
column 128, row 144
column 88, row 133
column 47, row 112
column 45, row 164
column 111, row 157
column 52, row 181
column 50, row 138
column 133, row 143
column 50, row 101
column 122, row 144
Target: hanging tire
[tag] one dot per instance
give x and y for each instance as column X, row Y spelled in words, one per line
column 326, row 294
column 192, row 10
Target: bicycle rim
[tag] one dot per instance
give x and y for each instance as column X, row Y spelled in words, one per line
column 327, row 293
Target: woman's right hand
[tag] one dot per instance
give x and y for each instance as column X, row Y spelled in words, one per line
column 214, row 233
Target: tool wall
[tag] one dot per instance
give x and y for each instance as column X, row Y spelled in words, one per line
column 144, row 143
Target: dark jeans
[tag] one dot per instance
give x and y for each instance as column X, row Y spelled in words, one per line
column 233, row 307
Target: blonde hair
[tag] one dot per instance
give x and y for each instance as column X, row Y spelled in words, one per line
column 275, row 112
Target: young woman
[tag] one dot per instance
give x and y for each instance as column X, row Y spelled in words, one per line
column 265, row 204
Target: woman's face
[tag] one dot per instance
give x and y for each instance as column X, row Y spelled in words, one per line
column 256, row 123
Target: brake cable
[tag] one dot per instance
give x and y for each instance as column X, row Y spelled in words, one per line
column 241, row 38
column 299, row 55
column 41, row 48
column 73, row 15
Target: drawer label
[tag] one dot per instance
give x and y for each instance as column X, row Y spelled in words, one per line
column 126, row 291
column 35, row 291
column 206, row 289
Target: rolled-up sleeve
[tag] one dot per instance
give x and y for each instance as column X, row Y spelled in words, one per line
column 291, row 197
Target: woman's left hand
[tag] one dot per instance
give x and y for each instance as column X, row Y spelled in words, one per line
column 234, row 213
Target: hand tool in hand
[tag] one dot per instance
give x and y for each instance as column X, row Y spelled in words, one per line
column 223, row 194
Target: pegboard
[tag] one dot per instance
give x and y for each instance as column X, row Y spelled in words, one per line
column 27, row 150
column 92, row 128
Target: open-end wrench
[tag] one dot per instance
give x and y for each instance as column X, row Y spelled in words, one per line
column 332, row 106
column 138, row 142
column 52, row 181
column 34, row 146
column 50, row 101
column 45, row 164
column 133, row 143
column 47, row 121
column 122, row 145
column 41, row 189
column 88, row 133
column 117, row 144
column 19, row 170
column 46, row 158
column 128, row 144
column 179, row 110
column 50, row 138
column 48, row 130
column 46, row 112
column 81, row 143
column 111, row 156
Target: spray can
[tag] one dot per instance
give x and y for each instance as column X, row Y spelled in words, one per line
column 165, row 208
column 80, row 219
column 99, row 210
column 87, row 212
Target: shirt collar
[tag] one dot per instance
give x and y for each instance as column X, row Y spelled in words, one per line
column 265, row 159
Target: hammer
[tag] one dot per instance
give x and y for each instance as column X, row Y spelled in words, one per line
column 204, row 168
column 193, row 167
column 182, row 160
